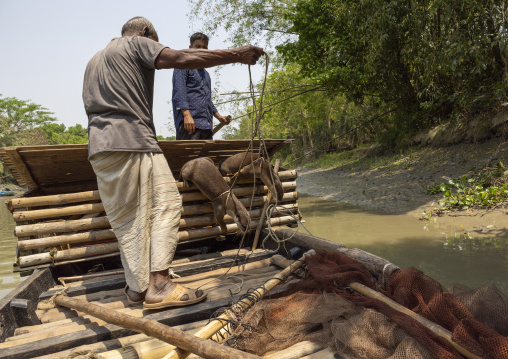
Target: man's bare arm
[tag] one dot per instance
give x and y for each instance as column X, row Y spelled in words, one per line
column 199, row 58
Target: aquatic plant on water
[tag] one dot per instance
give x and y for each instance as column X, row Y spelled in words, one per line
column 484, row 189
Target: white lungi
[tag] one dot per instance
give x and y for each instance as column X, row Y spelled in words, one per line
column 143, row 205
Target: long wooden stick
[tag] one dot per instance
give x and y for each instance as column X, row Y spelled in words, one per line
column 87, row 196
column 221, row 321
column 435, row 328
column 98, row 207
column 202, row 347
column 263, row 213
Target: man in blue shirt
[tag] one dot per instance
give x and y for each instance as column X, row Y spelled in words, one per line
column 193, row 109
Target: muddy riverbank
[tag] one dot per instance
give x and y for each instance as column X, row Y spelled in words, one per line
column 397, row 184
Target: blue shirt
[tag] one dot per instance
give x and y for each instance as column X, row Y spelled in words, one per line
column 192, row 90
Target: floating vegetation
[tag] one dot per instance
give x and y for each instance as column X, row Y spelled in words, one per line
column 486, row 188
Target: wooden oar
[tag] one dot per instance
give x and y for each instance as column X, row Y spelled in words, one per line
column 202, row 347
column 221, row 321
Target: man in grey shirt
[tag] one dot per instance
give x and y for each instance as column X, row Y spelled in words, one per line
column 137, row 188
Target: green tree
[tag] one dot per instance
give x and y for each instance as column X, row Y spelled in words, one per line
column 169, row 138
column 427, row 58
column 245, row 20
column 19, row 120
column 58, row 134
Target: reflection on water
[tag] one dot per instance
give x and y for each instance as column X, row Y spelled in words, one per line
column 8, row 280
column 406, row 241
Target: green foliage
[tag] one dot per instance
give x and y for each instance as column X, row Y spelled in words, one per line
column 19, row 120
column 427, row 60
column 485, row 188
column 244, row 20
column 58, row 134
column 318, row 120
column 424, row 57
column 169, row 138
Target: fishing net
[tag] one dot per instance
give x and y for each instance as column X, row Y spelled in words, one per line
column 322, row 308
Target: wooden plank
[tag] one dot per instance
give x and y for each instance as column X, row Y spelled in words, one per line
column 117, row 343
column 171, row 317
column 22, row 170
column 182, row 271
column 51, row 165
column 30, row 290
column 213, row 284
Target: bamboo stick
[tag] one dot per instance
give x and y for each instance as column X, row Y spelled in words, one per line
column 75, row 225
column 66, row 254
column 98, row 207
column 65, row 226
column 435, row 328
column 93, row 236
column 201, row 347
column 216, row 325
column 61, row 199
column 265, row 207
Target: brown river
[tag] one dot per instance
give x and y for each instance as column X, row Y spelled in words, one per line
column 401, row 239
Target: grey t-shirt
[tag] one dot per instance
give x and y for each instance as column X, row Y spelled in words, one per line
column 118, row 96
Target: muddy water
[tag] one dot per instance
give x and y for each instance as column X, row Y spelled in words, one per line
column 8, row 280
column 405, row 241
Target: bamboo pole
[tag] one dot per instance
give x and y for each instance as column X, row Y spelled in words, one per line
column 217, row 324
column 433, row 327
column 45, row 242
column 62, row 199
column 202, row 347
column 98, row 207
column 265, row 207
column 76, row 225
column 81, row 252
column 66, row 254
column 94, row 236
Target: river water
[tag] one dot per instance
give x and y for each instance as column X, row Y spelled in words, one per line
column 8, row 280
column 408, row 242
column 403, row 240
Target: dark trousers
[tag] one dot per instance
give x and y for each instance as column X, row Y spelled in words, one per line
column 199, row 134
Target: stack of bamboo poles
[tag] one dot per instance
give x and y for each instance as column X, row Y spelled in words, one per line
column 72, row 227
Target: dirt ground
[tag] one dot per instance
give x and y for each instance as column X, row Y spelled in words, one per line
column 397, row 184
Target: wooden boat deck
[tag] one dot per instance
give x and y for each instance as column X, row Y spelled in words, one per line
column 64, row 331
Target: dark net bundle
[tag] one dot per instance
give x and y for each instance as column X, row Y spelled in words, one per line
column 321, row 308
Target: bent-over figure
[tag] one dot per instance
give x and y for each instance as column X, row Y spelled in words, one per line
column 250, row 165
column 207, row 178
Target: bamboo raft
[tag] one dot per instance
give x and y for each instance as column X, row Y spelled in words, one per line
column 67, row 246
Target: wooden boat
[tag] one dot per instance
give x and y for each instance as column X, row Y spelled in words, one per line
column 65, row 244
column 7, row 193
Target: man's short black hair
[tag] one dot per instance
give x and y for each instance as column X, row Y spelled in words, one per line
column 138, row 23
column 199, row 36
